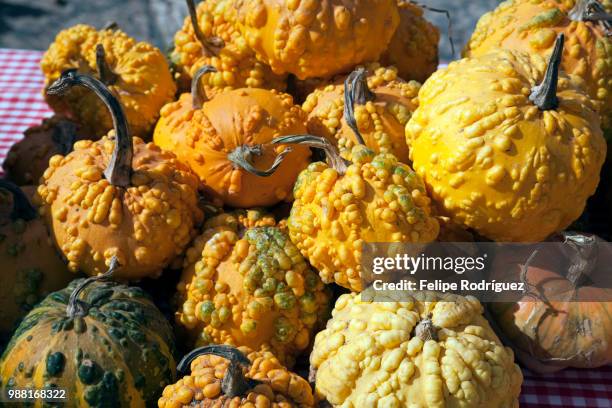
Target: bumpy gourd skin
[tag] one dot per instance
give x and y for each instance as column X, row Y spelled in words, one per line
column 492, row 160
column 144, row 82
column 246, row 284
column 280, row 387
column 317, row 38
column 381, row 122
column 145, row 225
column 369, row 356
column 28, row 159
column 378, row 200
column 203, row 138
column 532, row 26
column 236, row 64
column 30, row 268
column 414, row 46
column 120, row 354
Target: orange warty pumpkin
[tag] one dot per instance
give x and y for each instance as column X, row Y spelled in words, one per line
column 317, row 38
column 28, row 159
column 413, row 49
column 216, row 41
column 370, row 109
column 118, row 197
column 226, row 142
column 565, row 317
column 533, row 25
column 224, row 376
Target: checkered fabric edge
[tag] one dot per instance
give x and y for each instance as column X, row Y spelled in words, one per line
column 21, row 101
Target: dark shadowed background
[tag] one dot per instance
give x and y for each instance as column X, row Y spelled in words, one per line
column 33, row 24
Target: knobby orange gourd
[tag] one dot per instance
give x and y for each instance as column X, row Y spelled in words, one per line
column 532, row 26
column 339, row 206
column 226, row 142
column 28, row 159
column 413, row 49
column 370, row 109
column 423, row 349
column 246, row 284
column 31, row 267
column 222, row 376
column 317, row 38
column 118, row 197
column 507, row 144
column 209, row 36
column 136, row 72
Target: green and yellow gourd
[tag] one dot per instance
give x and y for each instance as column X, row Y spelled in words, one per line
column 30, row 267
column 340, row 206
column 507, row 145
column 106, row 344
column 246, row 284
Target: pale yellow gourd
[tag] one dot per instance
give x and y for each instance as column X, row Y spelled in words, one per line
column 430, row 351
column 507, row 144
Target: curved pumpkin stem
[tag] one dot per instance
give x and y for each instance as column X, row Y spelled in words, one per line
column 426, row 330
column 449, row 27
column 583, row 257
column 78, row 308
column 592, row 10
column 119, row 169
column 356, row 91
column 544, row 96
column 198, row 98
column 64, row 136
column 242, row 157
column 210, row 45
column 107, row 76
column 234, row 383
column 111, row 25
column 22, row 208
column 331, row 153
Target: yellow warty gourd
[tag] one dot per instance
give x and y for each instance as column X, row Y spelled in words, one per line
column 136, row 72
column 414, row 46
column 317, row 38
column 507, row 145
column 338, row 208
column 234, row 61
column 246, row 284
column 427, row 351
column 532, row 25
column 224, row 376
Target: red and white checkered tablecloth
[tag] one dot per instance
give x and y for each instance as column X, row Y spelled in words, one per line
column 21, row 101
column 22, row 105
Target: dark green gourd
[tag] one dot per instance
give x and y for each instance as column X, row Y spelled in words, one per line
column 106, row 344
